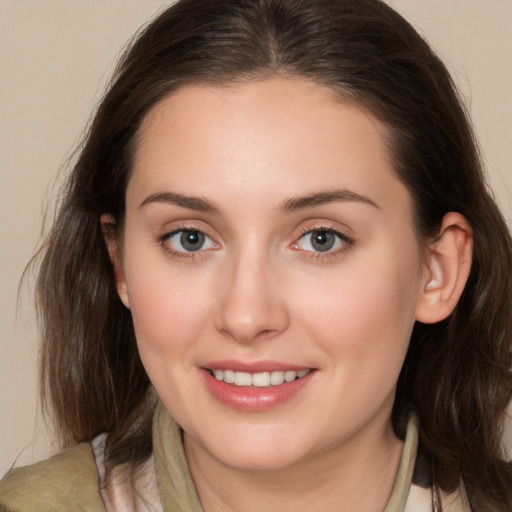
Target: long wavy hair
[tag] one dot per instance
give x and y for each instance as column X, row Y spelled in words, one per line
column 457, row 373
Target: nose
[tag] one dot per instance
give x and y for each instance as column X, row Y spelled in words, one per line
column 252, row 303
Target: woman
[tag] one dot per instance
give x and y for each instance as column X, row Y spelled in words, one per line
column 275, row 268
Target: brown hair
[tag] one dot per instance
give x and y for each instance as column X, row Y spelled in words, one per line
column 456, row 376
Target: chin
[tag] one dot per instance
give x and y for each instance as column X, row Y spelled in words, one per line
column 256, row 451
column 260, row 460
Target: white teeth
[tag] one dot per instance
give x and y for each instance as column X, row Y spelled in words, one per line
column 229, row 376
column 290, row 375
column 276, row 378
column 243, row 379
column 261, row 380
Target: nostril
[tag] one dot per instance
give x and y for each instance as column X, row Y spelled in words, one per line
column 266, row 333
column 251, row 317
column 248, row 336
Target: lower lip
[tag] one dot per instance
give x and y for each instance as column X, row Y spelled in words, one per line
column 254, row 399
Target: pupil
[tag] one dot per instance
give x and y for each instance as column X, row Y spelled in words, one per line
column 322, row 240
column 192, row 240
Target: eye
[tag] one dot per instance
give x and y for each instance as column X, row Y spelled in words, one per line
column 322, row 240
column 188, row 240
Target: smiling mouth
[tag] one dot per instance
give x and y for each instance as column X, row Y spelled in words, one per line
column 260, row 379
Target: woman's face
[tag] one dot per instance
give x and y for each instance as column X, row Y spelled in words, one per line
column 267, row 239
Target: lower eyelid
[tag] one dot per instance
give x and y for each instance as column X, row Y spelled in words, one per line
column 165, row 242
column 342, row 244
column 342, row 239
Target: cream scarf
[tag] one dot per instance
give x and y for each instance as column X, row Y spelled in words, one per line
column 163, row 483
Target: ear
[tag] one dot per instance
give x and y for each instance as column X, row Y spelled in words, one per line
column 448, row 263
column 111, row 235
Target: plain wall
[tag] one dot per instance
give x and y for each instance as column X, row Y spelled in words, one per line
column 55, row 57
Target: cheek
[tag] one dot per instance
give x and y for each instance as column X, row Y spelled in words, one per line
column 169, row 315
column 364, row 315
column 168, row 309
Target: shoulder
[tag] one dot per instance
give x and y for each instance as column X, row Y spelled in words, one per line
column 67, row 481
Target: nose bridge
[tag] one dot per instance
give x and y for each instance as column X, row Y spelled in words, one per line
column 250, row 306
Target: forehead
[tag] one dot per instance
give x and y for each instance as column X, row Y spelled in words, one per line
column 260, row 139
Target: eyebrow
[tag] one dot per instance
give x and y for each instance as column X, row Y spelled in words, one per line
column 192, row 203
column 310, row 201
column 293, row 204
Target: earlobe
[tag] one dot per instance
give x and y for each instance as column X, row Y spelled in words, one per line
column 447, row 269
column 111, row 236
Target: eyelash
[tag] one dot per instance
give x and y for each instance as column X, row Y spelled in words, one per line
column 346, row 243
column 165, row 239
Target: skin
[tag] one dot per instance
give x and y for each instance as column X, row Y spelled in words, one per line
column 258, row 290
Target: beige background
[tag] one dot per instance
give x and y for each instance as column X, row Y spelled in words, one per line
column 55, row 57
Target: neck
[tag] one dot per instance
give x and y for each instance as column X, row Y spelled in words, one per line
column 357, row 474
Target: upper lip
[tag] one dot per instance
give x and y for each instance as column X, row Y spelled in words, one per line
column 253, row 366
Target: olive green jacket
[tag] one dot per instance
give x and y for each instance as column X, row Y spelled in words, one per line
column 71, row 481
